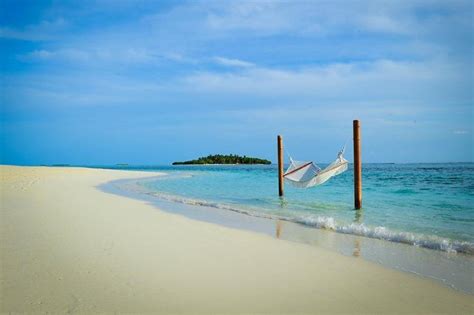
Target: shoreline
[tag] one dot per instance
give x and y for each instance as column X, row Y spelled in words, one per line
column 445, row 267
column 432, row 242
column 69, row 247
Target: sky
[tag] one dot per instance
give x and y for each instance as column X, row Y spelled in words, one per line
column 152, row 82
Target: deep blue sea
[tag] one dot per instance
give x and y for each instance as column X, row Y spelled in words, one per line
column 426, row 205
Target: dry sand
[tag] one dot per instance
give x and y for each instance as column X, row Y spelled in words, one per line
column 68, row 247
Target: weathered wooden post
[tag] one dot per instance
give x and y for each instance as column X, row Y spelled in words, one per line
column 280, row 165
column 357, row 166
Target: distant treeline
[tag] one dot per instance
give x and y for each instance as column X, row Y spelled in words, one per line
column 225, row 159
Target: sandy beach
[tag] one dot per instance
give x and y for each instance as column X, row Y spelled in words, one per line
column 66, row 246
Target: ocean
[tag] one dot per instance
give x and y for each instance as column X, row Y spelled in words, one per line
column 425, row 205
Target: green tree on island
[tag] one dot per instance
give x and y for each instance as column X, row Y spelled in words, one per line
column 225, row 159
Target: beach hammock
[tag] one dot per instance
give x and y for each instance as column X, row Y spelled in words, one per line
column 308, row 174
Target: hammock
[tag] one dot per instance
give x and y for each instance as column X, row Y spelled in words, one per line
column 308, row 174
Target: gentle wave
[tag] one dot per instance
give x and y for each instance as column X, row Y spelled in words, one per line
column 329, row 223
column 383, row 233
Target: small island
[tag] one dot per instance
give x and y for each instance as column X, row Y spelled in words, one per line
column 225, row 159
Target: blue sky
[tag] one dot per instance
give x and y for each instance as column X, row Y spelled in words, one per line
column 151, row 82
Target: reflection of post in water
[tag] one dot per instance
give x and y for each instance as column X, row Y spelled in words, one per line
column 358, row 216
column 356, row 252
column 358, row 219
column 282, row 202
column 278, row 228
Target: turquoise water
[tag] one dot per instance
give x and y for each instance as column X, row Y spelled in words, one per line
column 427, row 205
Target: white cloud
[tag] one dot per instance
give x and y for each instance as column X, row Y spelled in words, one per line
column 40, row 54
column 55, row 55
column 323, row 17
column 260, row 16
column 103, row 55
column 233, row 62
column 379, row 80
column 45, row 30
column 386, row 24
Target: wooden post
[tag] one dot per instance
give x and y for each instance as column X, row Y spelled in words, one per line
column 280, row 165
column 357, row 166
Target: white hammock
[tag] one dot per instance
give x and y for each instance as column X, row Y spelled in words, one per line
column 308, row 174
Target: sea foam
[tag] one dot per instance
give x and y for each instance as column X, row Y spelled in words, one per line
column 330, row 223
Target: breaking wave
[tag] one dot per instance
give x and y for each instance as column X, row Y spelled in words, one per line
column 329, row 223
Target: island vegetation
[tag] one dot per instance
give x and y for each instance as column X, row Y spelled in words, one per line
column 224, row 159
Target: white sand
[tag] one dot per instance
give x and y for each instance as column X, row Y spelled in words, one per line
column 68, row 247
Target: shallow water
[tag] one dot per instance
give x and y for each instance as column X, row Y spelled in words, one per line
column 427, row 205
